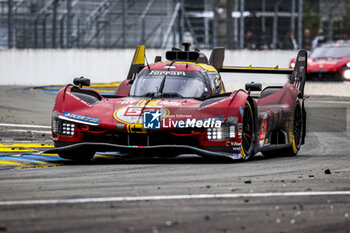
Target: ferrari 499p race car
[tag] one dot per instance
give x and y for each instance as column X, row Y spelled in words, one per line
column 329, row 62
column 180, row 106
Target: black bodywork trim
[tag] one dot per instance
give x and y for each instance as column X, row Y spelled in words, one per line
column 304, row 122
column 276, row 147
column 269, row 90
column 298, row 76
column 256, row 122
column 75, row 90
column 112, row 96
column 210, row 101
column 179, row 149
column 220, row 95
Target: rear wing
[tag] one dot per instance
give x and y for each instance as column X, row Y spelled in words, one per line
column 298, row 77
column 298, row 74
column 138, row 62
column 251, row 69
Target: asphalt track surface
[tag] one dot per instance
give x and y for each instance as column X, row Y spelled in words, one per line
column 306, row 193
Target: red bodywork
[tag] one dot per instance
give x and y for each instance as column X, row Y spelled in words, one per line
column 328, row 67
column 84, row 119
column 274, row 111
column 331, row 68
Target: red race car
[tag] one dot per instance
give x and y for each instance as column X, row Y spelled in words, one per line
column 330, row 62
column 180, row 106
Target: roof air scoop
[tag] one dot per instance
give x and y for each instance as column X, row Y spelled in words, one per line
column 186, row 55
column 187, row 46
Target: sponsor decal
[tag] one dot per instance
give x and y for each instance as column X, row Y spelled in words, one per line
column 134, row 114
column 262, row 134
column 127, row 101
column 152, row 120
column 81, row 118
column 236, row 144
column 171, row 103
column 193, row 123
column 156, row 117
column 165, row 72
column 169, row 67
column 240, row 129
column 78, row 99
column 302, row 58
column 241, row 111
column 181, row 116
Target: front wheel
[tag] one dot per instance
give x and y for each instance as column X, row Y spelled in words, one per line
column 248, row 132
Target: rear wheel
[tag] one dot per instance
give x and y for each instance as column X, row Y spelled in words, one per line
column 298, row 129
column 248, row 132
column 298, row 133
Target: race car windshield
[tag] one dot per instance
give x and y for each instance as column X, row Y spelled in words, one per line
column 331, row 52
column 186, row 84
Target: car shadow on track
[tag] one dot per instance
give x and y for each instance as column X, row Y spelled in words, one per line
column 183, row 159
column 122, row 159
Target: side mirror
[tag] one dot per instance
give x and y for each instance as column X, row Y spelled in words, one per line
column 206, row 93
column 157, row 59
column 253, row 87
column 81, row 82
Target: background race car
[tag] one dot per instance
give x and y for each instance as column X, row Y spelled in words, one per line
column 330, row 62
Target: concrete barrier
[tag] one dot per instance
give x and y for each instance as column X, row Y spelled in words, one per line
column 51, row 67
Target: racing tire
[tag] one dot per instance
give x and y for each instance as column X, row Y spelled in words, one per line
column 298, row 133
column 248, row 132
column 79, row 156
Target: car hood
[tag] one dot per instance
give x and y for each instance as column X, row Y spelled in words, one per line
column 129, row 111
column 326, row 63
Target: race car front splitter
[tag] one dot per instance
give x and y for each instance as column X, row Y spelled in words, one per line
column 145, row 150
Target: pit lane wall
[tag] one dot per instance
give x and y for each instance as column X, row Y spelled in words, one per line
column 52, row 67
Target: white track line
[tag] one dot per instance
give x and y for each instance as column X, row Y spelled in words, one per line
column 32, row 131
column 25, row 126
column 328, row 101
column 170, row 197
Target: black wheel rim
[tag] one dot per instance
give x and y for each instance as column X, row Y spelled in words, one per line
column 247, row 134
column 298, row 125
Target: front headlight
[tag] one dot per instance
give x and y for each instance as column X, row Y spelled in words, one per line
column 67, row 128
column 228, row 130
column 292, row 65
column 348, row 64
column 62, row 127
column 222, row 133
column 346, row 74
